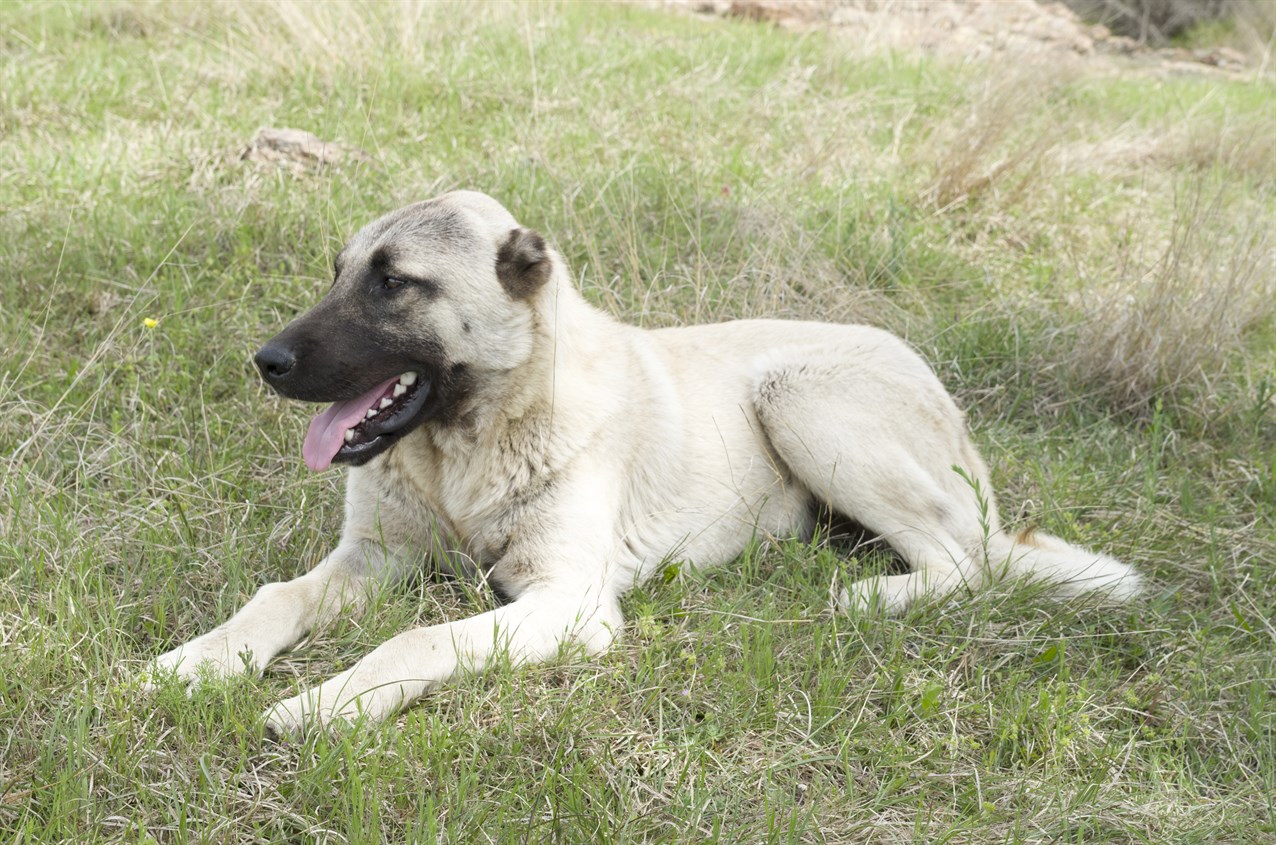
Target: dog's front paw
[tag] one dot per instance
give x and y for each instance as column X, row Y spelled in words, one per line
column 352, row 696
column 313, row 710
column 291, row 718
column 204, row 658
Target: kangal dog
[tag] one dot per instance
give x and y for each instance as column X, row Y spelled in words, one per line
column 496, row 422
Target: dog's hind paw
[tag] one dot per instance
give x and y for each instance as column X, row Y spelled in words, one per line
column 878, row 594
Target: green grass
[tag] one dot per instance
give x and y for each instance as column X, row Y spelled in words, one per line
column 1001, row 217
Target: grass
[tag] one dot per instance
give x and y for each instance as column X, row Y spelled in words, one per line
column 1019, row 225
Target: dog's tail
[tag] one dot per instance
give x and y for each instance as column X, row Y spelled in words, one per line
column 1066, row 569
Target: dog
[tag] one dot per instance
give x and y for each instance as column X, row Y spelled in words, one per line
column 495, row 423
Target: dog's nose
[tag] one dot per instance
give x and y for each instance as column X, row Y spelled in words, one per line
column 274, row 362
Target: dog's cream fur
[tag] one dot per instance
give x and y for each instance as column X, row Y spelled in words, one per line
column 591, row 451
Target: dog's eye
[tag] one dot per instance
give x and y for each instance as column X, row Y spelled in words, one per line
column 392, row 282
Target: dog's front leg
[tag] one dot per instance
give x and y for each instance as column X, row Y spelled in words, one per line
column 404, row 668
column 280, row 614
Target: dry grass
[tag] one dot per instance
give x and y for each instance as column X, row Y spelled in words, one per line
column 1171, row 285
column 1171, row 324
column 993, row 149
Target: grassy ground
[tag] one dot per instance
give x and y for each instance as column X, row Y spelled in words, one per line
column 1085, row 254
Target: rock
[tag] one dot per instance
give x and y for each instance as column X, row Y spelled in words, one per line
column 1222, row 57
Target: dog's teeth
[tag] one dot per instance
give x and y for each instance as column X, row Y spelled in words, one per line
column 407, row 379
column 372, row 412
column 385, row 402
column 399, row 390
column 349, row 435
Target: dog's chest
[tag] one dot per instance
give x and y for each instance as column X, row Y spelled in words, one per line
column 476, row 493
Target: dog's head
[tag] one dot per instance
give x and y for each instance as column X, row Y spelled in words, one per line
column 424, row 302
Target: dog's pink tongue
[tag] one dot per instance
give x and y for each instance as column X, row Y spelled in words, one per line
column 328, row 430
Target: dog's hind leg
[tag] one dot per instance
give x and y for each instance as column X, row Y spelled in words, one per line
column 875, row 436
column 879, row 444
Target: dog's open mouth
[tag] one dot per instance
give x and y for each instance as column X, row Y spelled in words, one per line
column 361, row 427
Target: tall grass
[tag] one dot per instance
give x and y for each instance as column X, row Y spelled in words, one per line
column 1176, row 322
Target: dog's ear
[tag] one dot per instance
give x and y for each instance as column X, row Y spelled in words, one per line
column 522, row 263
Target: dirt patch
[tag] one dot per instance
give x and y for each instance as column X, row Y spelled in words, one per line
column 965, row 28
column 298, row 150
